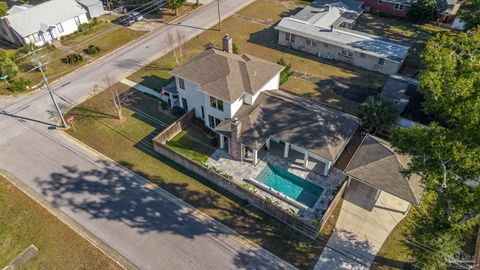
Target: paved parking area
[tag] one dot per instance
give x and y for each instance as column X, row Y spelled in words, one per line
column 362, row 226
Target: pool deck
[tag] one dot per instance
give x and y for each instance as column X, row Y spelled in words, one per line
column 243, row 170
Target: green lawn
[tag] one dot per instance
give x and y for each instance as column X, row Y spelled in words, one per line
column 23, row 222
column 260, row 40
column 128, row 141
column 190, row 147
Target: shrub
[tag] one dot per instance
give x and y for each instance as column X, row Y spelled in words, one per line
column 163, row 104
column 91, row 49
column 235, row 48
column 20, row 85
column 73, row 58
column 286, row 72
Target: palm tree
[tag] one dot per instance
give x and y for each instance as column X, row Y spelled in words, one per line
column 377, row 114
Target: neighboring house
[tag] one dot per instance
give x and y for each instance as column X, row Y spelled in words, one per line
column 43, row 23
column 236, row 96
column 376, row 164
column 398, row 8
column 216, row 83
column 447, row 9
column 322, row 29
column 94, row 8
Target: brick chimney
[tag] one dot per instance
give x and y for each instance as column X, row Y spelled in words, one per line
column 235, row 149
column 227, row 44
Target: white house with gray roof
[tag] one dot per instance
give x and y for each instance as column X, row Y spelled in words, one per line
column 323, row 29
column 43, row 23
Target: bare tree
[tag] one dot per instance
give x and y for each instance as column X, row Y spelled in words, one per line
column 113, row 91
column 175, row 42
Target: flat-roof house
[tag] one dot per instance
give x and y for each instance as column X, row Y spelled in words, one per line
column 322, row 29
column 237, row 96
column 43, row 23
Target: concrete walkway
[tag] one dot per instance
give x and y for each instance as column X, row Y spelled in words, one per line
column 362, row 227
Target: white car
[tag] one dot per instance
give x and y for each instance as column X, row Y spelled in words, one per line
column 137, row 15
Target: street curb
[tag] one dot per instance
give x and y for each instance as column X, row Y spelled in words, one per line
column 70, row 222
column 182, row 204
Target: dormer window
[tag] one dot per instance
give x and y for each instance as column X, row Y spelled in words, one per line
column 181, row 83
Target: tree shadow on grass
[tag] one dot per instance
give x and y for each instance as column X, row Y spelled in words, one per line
column 110, row 193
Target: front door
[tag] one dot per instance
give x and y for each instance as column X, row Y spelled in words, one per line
column 184, row 104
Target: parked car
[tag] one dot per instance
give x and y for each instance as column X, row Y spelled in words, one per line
column 126, row 20
column 137, row 15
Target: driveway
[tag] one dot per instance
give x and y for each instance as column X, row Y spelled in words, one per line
column 150, row 228
column 362, row 226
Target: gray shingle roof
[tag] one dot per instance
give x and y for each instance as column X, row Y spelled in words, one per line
column 304, row 123
column 227, row 76
column 375, row 163
column 51, row 13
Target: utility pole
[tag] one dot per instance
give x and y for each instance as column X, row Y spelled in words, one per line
column 40, row 67
column 219, row 17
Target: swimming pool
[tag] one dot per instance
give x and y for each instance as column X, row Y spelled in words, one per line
column 291, row 185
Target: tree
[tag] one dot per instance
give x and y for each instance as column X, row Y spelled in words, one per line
column 451, row 81
column 3, row 9
column 447, row 155
column 470, row 13
column 286, row 72
column 175, row 42
column 115, row 95
column 423, row 10
column 377, row 114
column 175, row 5
column 8, row 68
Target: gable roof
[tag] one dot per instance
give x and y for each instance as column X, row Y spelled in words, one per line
column 375, row 163
column 296, row 120
column 50, row 13
column 225, row 75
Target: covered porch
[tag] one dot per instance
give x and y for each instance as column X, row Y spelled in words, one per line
column 291, row 152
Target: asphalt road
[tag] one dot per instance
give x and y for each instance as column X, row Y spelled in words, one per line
column 151, row 229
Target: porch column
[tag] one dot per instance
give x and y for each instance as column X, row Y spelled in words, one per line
column 327, row 168
column 305, row 160
column 285, row 151
column 222, row 142
column 268, row 143
column 255, row 156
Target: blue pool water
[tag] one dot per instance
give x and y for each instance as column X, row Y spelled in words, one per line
column 290, row 185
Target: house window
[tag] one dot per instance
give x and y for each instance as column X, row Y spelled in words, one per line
column 77, row 21
column 34, row 38
column 181, row 83
column 380, row 2
column 325, row 45
column 203, row 112
column 216, row 103
column 213, row 121
column 290, row 37
column 311, row 43
column 60, row 28
column 398, row 7
column 381, row 61
column 362, row 55
column 346, row 53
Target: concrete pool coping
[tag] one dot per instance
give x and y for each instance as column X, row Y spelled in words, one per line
column 278, row 194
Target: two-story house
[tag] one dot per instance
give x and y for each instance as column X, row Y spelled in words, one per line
column 216, row 83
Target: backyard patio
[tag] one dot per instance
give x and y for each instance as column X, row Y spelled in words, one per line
column 243, row 173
